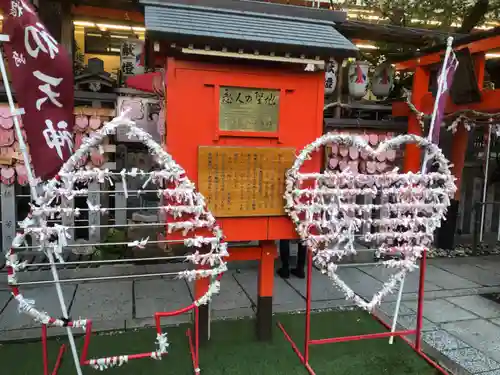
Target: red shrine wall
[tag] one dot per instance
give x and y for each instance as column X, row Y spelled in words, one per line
column 192, row 120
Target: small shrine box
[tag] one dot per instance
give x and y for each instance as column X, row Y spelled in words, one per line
column 240, row 103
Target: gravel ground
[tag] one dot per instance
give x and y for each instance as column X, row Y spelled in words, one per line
column 465, row 250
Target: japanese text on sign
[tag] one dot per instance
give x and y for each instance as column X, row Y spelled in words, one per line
column 248, row 109
column 42, row 77
column 130, row 57
column 244, row 181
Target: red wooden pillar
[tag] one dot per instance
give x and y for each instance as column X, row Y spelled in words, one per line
column 446, row 235
column 460, row 138
column 420, row 88
column 265, row 291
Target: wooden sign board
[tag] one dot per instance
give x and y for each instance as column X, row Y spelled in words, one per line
column 244, row 181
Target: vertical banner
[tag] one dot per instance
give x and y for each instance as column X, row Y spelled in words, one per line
column 41, row 72
column 131, row 58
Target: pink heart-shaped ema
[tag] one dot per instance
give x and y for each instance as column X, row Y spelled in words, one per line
column 81, row 122
column 95, row 122
column 332, row 210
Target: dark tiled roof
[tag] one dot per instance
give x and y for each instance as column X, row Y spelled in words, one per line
column 247, row 30
column 261, row 6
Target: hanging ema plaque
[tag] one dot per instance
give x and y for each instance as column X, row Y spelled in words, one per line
column 244, row 181
column 248, row 110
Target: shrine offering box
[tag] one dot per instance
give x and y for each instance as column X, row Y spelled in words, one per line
column 236, row 129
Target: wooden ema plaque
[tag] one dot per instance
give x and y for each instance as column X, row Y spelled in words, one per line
column 244, row 181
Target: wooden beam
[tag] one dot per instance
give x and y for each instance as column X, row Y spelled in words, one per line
column 490, row 103
column 478, row 46
column 85, row 11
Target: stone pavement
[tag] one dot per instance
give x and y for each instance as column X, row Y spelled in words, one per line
column 462, row 329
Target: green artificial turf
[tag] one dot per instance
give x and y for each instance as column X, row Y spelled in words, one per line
column 233, row 350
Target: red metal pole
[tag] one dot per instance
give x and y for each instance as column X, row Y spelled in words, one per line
column 292, row 343
column 86, row 342
column 368, row 336
column 44, row 350
column 308, row 307
column 59, row 359
column 196, row 339
column 420, row 308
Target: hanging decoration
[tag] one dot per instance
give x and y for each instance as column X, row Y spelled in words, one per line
column 382, row 80
column 469, row 118
column 358, row 79
column 328, row 217
column 331, row 69
column 184, row 209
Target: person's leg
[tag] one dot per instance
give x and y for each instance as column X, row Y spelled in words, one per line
column 299, row 270
column 284, row 271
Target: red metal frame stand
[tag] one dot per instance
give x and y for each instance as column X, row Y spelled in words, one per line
column 84, row 361
column 194, row 342
column 45, row 352
column 304, row 356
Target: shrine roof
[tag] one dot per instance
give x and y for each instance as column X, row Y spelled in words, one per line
column 245, row 30
column 460, row 41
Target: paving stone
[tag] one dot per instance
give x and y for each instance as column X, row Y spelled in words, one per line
column 491, row 263
column 231, row 295
column 410, row 322
column 478, row 305
column 45, row 300
column 447, row 280
column 473, row 273
column 242, row 312
column 494, row 372
column 104, row 302
column 447, row 293
column 161, row 295
column 364, row 285
column 4, row 299
column 495, row 321
column 322, row 288
column 442, row 340
column 440, row 310
column 472, row 360
column 411, row 281
column 388, row 308
column 339, row 304
column 32, row 333
column 283, row 293
column 480, row 334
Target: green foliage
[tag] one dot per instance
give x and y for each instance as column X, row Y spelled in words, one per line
column 113, row 251
column 78, row 60
column 445, row 15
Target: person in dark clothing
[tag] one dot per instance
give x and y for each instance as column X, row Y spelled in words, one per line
column 298, row 271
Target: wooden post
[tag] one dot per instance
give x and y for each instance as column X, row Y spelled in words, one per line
column 200, row 288
column 8, row 215
column 420, row 88
column 68, row 220
column 338, row 89
column 120, row 200
column 265, row 291
column 94, row 216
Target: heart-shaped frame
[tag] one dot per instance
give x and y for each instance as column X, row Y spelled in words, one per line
column 183, row 206
column 324, row 210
